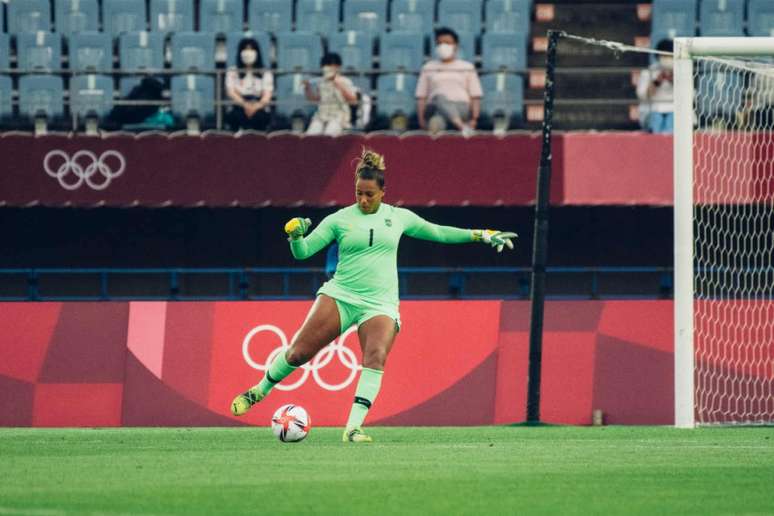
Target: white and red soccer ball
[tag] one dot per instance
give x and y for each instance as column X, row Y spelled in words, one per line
column 291, row 423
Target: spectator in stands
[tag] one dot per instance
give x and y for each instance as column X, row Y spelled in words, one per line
column 334, row 94
column 250, row 88
column 448, row 91
column 655, row 90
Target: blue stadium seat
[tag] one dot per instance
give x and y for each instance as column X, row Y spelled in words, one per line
column 291, row 100
column 508, row 16
column 503, row 51
column 232, row 43
column 141, row 51
column 320, row 16
column 41, row 95
column 354, row 47
column 2, row 18
column 119, row 16
column 726, row 85
column 674, row 18
column 412, row 16
column 401, row 51
column 466, row 48
column 39, row 51
column 721, row 18
column 193, row 51
column 193, row 95
column 6, row 97
column 172, row 16
column 5, row 51
column 221, row 16
column 91, row 95
column 760, row 18
column 460, row 15
column 395, row 94
column 365, row 15
column 91, row 51
column 29, row 16
column 270, row 16
column 298, row 51
column 73, row 16
column 503, row 95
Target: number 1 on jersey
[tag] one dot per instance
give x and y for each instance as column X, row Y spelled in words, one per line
column 370, row 237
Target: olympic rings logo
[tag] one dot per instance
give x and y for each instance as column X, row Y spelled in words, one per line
column 336, row 348
column 84, row 166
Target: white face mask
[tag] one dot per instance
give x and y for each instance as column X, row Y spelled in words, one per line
column 445, row 51
column 328, row 72
column 666, row 62
column 248, row 56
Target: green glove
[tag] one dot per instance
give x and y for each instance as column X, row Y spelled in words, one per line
column 297, row 227
column 498, row 239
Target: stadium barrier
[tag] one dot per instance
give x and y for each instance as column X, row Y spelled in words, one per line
column 454, row 363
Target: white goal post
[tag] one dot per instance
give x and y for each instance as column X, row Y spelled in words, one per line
column 723, row 231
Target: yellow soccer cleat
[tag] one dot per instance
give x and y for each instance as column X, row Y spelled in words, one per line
column 246, row 400
column 355, row 435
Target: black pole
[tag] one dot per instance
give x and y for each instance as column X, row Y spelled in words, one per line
column 540, row 243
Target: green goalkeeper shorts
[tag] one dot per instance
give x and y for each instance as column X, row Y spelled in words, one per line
column 358, row 312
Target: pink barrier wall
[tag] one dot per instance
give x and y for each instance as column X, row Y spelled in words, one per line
column 454, row 363
column 286, row 170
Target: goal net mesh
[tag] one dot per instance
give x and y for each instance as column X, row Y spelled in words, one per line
column 733, row 181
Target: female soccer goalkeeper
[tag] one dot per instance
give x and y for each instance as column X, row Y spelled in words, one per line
column 364, row 289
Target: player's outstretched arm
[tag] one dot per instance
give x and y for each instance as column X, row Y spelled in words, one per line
column 418, row 227
column 304, row 247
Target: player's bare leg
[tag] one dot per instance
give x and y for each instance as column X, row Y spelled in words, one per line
column 377, row 335
column 321, row 326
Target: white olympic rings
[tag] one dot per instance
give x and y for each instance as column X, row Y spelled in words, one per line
column 345, row 355
column 84, row 166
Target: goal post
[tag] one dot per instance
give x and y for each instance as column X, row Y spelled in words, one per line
column 723, row 231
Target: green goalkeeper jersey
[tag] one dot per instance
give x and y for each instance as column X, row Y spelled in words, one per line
column 367, row 273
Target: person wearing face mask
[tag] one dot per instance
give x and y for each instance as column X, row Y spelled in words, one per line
column 655, row 89
column 250, row 88
column 334, row 95
column 448, row 92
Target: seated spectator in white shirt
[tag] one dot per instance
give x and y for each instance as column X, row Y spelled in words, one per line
column 250, row 88
column 448, row 92
column 334, row 94
column 655, row 89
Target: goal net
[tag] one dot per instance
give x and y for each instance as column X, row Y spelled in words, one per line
column 724, row 231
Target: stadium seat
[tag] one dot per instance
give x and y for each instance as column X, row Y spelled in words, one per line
column 5, row 51
column 168, row 16
column 503, row 95
column 73, row 16
column 503, row 51
column 460, row 15
column 721, row 18
column 412, row 16
column 6, row 98
column 712, row 86
column 401, row 51
column 760, row 18
column 91, row 95
column 298, row 51
column 39, row 51
column 141, row 51
column 193, row 95
column 508, row 16
column 365, row 15
column 291, row 100
column 674, row 18
column 354, row 47
column 320, row 16
column 2, row 19
column 221, row 16
column 395, row 94
column 466, row 48
column 119, row 16
column 193, row 51
column 41, row 95
column 91, row 51
column 270, row 16
column 232, row 43
column 29, row 16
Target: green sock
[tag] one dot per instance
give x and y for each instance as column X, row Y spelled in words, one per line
column 367, row 389
column 277, row 371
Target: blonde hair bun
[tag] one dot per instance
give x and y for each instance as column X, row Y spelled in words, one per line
column 370, row 159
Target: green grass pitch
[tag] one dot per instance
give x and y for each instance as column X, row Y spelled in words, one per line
column 494, row 470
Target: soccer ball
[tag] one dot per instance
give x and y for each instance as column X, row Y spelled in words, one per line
column 291, row 423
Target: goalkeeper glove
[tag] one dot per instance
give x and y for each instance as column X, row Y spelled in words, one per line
column 297, row 227
column 498, row 239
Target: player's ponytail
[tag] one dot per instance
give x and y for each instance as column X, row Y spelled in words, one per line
column 370, row 165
